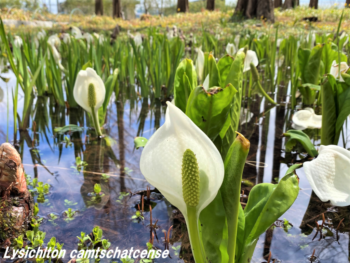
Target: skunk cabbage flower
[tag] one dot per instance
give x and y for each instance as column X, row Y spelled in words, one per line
column 54, row 40
column 184, row 165
column 306, row 119
column 245, row 116
column 346, row 36
column 230, row 49
column 76, row 32
column 206, row 83
column 329, row 176
column 89, row 92
column 57, row 57
column 18, row 42
column 313, row 38
column 278, row 42
column 237, row 39
column 250, row 57
column 88, row 37
column 200, row 64
column 41, row 34
column 138, row 39
column 66, row 38
column 335, row 70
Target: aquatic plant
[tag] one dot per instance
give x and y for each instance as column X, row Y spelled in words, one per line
column 328, row 175
column 89, row 93
column 187, row 135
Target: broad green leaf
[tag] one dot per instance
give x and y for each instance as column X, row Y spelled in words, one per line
column 209, row 109
column 140, row 142
column 329, row 55
column 267, row 202
column 235, row 77
column 213, row 224
column 224, row 66
column 214, row 77
column 182, row 91
column 329, row 111
column 295, row 136
column 309, row 62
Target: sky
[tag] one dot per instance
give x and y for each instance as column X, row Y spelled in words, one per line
column 52, row 4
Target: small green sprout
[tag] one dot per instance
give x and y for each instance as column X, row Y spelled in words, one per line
column 105, row 177
column 121, row 196
column 137, row 216
column 67, row 141
column 70, row 213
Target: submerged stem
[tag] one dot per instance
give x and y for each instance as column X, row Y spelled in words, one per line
column 193, row 232
column 96, row 122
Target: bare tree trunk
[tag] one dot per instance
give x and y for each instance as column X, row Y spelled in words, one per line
column 290, row 4
column 265, row 10
column 255, row 9
column 211, row 5
column 117, row 12
column 347, row 3
column 313, row 4
column 277, row 3
column 99, row 7
column 182, row 6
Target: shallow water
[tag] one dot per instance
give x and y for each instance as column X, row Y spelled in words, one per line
column 47, row 158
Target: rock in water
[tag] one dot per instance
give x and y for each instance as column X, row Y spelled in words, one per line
column 16, row 203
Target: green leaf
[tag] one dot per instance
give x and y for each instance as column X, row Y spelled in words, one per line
column 68, row 128
column 140, row 142
column 213, row 224
column 343, row 110
column 209, row 109
column 329, row 55
column 224, row 66
column 87, row 65
column 329, row 111
column 213, row 71
column 309, row 63
column 235, row 77
column 295, row 136
column 267, row 202
column 231, row 188
column 182, row 89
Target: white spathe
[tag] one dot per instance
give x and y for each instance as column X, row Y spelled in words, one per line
column 230, row 49
column 346, row 36
column 250, row 57
column 54, row 40
column 76, row 32
column 335, row 70
column 161, row 160
column 66, row 38
column 200, row 63
column 206, row 83
column 41, row 34
column 57, row 57
column 81, row 87
column 18, row 42
column 237, row 39
column 306, row 119
column 329, row 175
column 245, row 116
column 138, row 39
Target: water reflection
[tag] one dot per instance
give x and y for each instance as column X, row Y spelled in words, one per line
column 113, row 162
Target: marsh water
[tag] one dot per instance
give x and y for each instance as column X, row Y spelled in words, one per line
column 51, row 158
